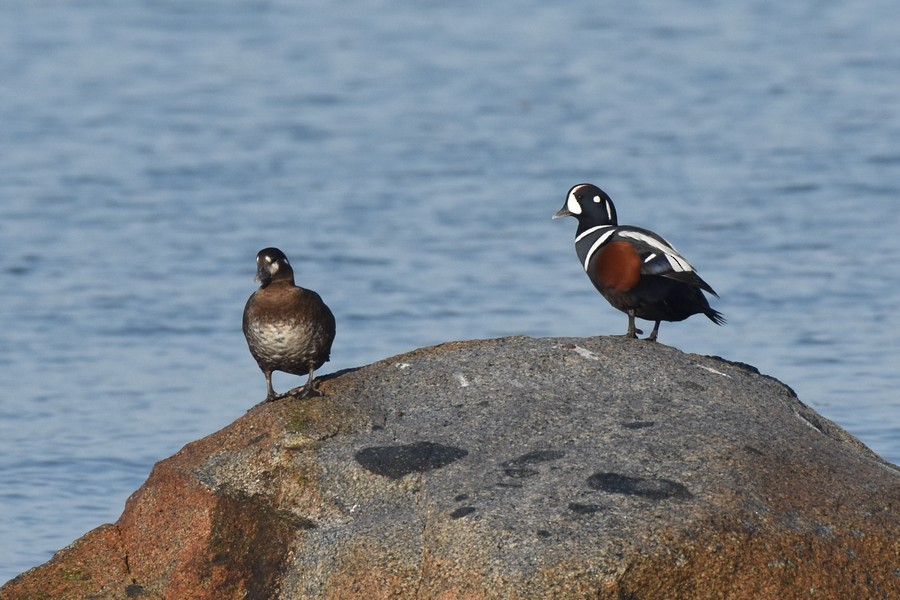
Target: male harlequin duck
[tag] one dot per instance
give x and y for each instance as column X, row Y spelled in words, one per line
column 288, row 328
column 637, row 271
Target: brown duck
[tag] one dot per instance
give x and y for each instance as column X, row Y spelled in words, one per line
column 288, row 328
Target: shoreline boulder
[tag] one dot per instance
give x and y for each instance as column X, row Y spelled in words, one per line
column 508, row 468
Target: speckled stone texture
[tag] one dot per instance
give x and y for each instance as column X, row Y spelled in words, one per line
column 510, row 468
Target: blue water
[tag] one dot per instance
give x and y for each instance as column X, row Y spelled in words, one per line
column 407, row 156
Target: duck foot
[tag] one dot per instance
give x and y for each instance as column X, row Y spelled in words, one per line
column 303, row 391
column 267, row 400
column 652, row 336
column 633, row 331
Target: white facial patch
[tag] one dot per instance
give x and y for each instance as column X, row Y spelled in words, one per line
column 572, row 204
column 273, row 266
column 650, row 257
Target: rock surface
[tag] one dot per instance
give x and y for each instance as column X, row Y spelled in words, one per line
column 510, row 468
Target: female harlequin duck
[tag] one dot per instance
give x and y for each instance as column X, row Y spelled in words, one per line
column 637, row 271
column 288, row 328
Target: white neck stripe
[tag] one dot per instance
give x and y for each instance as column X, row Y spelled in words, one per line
column 587, row 232
column 600, row 241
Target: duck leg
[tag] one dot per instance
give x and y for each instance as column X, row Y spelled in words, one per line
column 308, row 389
column 270, row 391
column 652, row 336
column 310, row 385
column 632, row 330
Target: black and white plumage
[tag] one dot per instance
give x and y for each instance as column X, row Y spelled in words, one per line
column 636, row 270
column 288, row 328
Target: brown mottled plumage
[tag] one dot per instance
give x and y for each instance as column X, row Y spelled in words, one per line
column 288, row 328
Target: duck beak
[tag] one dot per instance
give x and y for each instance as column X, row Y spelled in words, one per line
column 263, row 276
column 563, row 212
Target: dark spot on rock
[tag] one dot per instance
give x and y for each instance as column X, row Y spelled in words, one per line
column 461, row 497
column 377, row 428
column 811, row 418
column 789, row 389
column 462, row 511
column 509, row 485
column 133, row 591
column 567, row 346
column 638, row 424
column 397, row 461
column 743, row 366
column 543, row 533
column 258, row 439
column 520, row 473
column 824, row 531
column 749, row 526
column 584, row 509
column 532, row 458
column 298, row 523
column 248, row 535
column 693, row 385
column 653, row 489
column 752, row 450
column 484, row 403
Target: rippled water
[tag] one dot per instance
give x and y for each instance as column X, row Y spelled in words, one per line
column 407, row 156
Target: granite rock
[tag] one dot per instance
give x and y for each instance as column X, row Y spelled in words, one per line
column 508, row 468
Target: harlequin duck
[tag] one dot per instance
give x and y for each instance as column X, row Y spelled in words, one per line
column 288, row 328
column 637, row 271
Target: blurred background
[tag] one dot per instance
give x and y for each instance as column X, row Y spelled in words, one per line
column 407, row 156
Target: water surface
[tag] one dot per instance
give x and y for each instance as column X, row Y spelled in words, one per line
column 408, row 157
